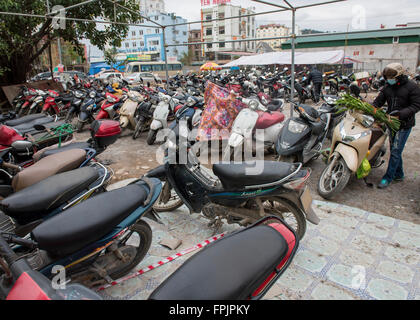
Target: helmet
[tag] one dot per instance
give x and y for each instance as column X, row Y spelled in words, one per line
column 393, row 70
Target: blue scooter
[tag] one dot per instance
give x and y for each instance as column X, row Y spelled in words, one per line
column 94, row 241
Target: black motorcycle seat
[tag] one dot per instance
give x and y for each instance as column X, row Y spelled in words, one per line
column 76, row 145
column 29, row 126
column 234, row 176
column 229, row 269
column 39, row 199
column 19, row 121
column 89, row 221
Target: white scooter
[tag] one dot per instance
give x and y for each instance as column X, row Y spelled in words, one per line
column 160, row 116
column 243, row 134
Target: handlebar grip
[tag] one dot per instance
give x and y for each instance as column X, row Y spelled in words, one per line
column 11, row 166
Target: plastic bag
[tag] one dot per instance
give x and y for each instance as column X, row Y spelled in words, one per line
column 364, row 169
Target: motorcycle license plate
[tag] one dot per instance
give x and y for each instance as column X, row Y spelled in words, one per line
column 306, row 199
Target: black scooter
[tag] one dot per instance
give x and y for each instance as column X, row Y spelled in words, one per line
column 241, row 193
column 301, row 138
column 89, row 106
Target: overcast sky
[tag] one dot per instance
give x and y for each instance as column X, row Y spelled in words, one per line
column 331, row 17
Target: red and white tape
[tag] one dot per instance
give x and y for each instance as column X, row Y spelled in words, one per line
column 162, row 262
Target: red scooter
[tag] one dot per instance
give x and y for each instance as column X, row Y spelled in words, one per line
column 56, row 104
column 109, row 107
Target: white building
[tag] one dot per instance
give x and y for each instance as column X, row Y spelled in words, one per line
column 225, row 30
column 150, row 6
column 273, row 30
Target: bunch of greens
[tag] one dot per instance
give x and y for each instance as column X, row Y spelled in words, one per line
column 348, row 102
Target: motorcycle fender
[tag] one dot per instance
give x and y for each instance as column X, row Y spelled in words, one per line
column 124, row 121
column 83, row 116
column 156, row 125
column 349, row 155
column 235, row 140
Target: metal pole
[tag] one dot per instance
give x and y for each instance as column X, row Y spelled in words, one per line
column 49, row 47
column 166, row 58
column 292, row 86
column 59, row 50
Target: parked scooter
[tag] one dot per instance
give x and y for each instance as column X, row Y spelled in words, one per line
column 144, row 115
column 89, row 106
column 128, row 110
column 23, row 210
column 356, row 139
column 98, row 247
column 21, row 282
column 239, row 192
column 109, row 107
column 241, row 266
column 75, row 105
column 255, row 117
column 301, row 138
column 160, row 116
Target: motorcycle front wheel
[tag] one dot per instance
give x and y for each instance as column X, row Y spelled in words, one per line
column 139, row 236
column 329, row 185
column 173, row 201
column 138, row 130
column 151, row 137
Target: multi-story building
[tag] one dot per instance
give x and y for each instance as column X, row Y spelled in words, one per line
column 227, row 30
column 273, row 30
column 196, row 49
column 151, row 6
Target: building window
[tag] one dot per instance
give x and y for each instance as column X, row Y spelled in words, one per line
column 133, row 33
column 134, row 44
column 141, row 43
column 141, row 32
column 156, row 18
column 222, row 30
column 209, row 45
column 184, row 33
column 222, row 45
column 157, row 31
column 127, row 45
column 396, row 40
column 209, row 32
column 208, row 17
column 155, row 42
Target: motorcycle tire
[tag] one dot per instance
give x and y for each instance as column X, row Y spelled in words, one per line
column 79, row 126
column 144, row 232
column 69, row 117
column 171, row 205
column 338, row 186
column 299, row 227
column 151, row 137
column 138, row 130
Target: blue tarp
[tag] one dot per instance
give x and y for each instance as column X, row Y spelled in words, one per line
column 98, row 66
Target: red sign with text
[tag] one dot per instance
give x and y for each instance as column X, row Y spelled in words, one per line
column 213, row 2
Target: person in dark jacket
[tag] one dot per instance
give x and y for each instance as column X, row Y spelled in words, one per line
column 316, row 77
column 403, row 99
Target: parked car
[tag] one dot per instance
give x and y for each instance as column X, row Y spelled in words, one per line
column 41, row 76
column 142, row 77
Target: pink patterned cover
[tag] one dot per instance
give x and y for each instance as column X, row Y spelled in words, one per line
column 220, row 112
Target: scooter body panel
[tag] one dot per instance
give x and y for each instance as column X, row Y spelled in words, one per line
column 289, row 142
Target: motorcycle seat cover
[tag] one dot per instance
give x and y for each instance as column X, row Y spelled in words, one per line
column 235, row 176
column 89, row 221
column 243, row 260
column 49, row 166
column 71, row 146
column 266, row 120
column 40, row 198
column 19, row 121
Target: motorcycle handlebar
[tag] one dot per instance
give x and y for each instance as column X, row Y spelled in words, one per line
column 11, row 166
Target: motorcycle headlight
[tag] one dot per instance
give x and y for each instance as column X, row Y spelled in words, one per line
column 296, row 127
column 253, row 104
column 92, row 94
column 351, row 137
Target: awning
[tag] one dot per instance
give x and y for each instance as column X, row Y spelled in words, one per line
column 285, row 58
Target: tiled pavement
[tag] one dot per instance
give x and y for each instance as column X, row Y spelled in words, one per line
column 351, row 254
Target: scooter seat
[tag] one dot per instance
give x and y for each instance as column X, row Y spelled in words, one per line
column 41, row 198
column 89, row 221
column 49, row 166
column 30, row 126
column 266, row 119
column 75, row 145
column 19, row 121
column 234, row 176
column 229, row 269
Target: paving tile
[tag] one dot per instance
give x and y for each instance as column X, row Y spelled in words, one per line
column 296, row 280
column 342, row 275
column 326, row 291
column 395, row 271
column 403, row 255
column 311, row 261
column 386, row 290
column 375, row 230
column 323, row 246
column 353, row 257
column 334, row 232
column 406, row 239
